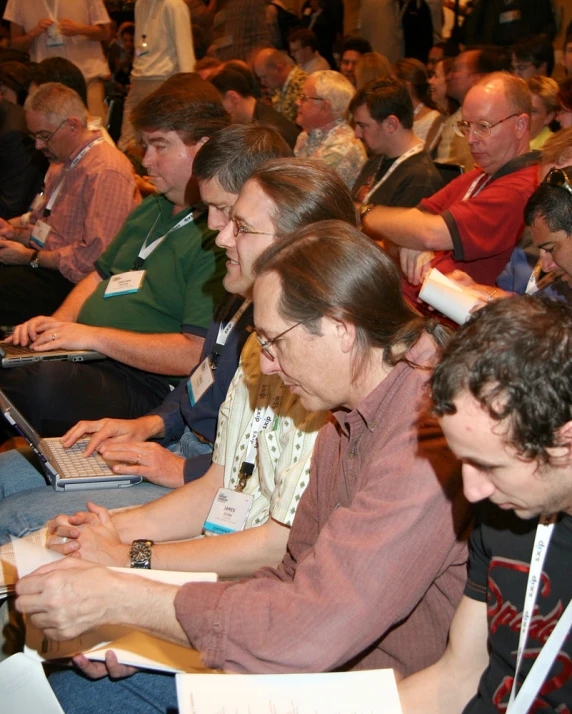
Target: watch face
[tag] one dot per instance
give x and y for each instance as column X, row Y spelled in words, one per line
column 140, row 552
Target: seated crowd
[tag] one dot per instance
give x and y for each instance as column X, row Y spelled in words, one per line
column 247, row 281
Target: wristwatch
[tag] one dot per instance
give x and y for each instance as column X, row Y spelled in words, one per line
column 34, row 262
column 140, row 554
column 364, row 209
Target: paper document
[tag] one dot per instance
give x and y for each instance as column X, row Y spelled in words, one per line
column 25, row 689
column 8, row 571
column 369, row 692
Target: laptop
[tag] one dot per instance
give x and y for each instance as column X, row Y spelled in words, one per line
column 66, row 469
column 17, row 355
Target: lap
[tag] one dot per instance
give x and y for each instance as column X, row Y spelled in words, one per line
column 144, row 693
column 54, row 396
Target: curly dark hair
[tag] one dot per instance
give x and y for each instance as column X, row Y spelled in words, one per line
column 515, row 358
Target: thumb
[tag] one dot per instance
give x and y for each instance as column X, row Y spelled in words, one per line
column 101, row 512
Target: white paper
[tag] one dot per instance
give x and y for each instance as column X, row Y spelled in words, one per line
column 368, row 692
column 25, row 689
column 449, row 297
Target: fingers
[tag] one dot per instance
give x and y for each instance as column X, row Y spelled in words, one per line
column 87, row 427
column 93, row 670
column 101, row 512
column 64, row 547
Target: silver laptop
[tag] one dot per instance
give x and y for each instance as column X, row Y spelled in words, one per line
column 66, row 469
column 17, row 355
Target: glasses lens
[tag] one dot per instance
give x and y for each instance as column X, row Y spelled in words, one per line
column 462, row 128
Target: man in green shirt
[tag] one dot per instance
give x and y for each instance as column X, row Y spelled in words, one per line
column 149, row 301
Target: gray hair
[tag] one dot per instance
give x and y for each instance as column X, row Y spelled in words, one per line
column 57, row 103
column 334, row 88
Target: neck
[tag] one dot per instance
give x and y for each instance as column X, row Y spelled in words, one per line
column 246, row 113
column 403, row 140
column 82, row 138
column 374, row 373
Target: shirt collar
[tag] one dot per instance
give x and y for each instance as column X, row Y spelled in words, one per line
column 94, row 136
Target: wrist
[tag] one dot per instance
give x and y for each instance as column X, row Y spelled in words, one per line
column 152, row 426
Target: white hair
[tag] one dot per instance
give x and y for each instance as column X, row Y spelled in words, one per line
column 56, row 102
column 335, row 88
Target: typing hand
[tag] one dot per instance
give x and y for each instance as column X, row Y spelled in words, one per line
column 147, row 459
column 58, row 335
column 114, row 431
column 415, row 264
column 12, row 253
column 27, row 332
column 97, row 670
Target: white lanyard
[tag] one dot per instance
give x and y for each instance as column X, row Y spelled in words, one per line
column 263, row 416
column 224, row 332
column 473, row 190
column 52, row 14
column 74, row 163
column 149, row 16
column 518, row 704
column 147, row 249
column 407, row 155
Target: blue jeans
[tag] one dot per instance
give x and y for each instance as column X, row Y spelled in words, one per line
column 27, row 503
column 143, row 693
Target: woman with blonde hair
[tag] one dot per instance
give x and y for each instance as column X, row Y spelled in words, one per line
column 545, row 104
column 371, row 65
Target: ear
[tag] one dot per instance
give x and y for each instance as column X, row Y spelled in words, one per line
column 391, row 123
column 201, row 142
column 522, row 125
column 550, row 118
column 562, row 454
column 75, row 124
column 346, row 334
column 232, row 96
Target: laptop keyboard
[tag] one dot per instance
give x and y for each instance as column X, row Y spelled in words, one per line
column 74, row 465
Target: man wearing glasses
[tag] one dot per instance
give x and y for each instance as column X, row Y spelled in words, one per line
column 326, row 135
column 474, row 222
column 90, row 191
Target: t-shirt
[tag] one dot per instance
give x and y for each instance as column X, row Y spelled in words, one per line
column 416, row 178
column 83, row 52
column 501, row 548
column 183, row 275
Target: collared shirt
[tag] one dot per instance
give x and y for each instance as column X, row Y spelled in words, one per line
column 282, row 468
column 374, row 567
column 335, row 145
column 96, row 197
column 316, row 64
column 284, row 99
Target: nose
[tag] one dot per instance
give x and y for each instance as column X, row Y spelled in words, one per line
column 225, row 238
column 547, row 261
column 267, row 365
column 358, row 132
column 476, row 485
column 217, row 220
column 147, row 160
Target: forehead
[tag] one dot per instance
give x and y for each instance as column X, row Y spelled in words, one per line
column 253, row 205
column 465, row 61
column 350, row 56
column 541, row 233
column 267, row 294
column 213, row 193
column 295, row 46
column 39, row 122
column 363, row 115
column 471, row 426
column 486, row 102
column 309, row 85
column 154, row 137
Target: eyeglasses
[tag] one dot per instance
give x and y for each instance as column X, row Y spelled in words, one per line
column 556, row 178
column 40, row 136
column 482, row 129
column 305, row 98
column 267, row 344
column 239, row 228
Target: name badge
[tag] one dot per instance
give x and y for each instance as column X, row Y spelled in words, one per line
column 37, row 202
column 124, row 283
column 54, row 36
column 509, row 16
column 40, row 233
column 199, row 381
column 228, row 513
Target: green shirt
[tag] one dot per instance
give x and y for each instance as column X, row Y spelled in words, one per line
column 183, row 275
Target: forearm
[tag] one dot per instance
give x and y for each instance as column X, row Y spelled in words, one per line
column 233, row 555
column 167, row 354
column 98, row 33
column 71, row 306
column 177, row 516
column 20, row 235
column 22, row 42
column 408, row 227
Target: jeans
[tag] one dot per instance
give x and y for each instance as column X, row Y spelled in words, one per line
column 143, row 693
column 26, row 503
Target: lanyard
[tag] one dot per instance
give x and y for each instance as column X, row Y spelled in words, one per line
column 473, row 190
column 224, row 332
column 407, row 155
column 52, row 14
column 263, row 417
column 55, row 193
column 147, row 19
column 147, row 249
column 520, row 704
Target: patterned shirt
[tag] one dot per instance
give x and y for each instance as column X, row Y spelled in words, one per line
column 284, row 99
column 335, row 145
column 282, row 466
column 96, row 197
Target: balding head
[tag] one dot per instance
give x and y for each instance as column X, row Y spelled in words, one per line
column 501, row 102
column 272, row 67
column 463, row 74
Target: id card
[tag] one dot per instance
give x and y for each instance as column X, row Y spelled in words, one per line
column 40, row 233
column 124, row 283
column 199, row 381
column 54, row 36
column 142, row 50
column 229, row 512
